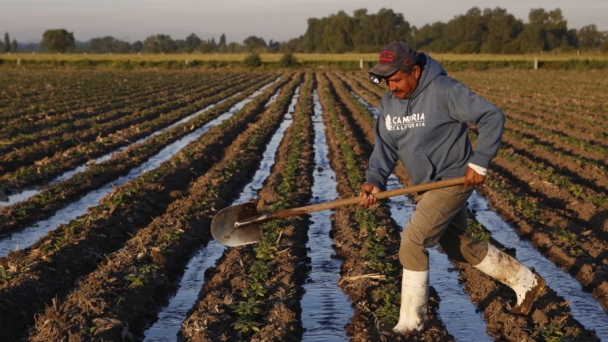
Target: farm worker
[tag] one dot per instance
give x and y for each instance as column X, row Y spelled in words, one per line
column 423, row 122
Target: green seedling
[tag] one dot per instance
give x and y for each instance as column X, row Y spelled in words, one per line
column 173, row 235
column 4, row 273
column 552, row 333
column 246, row 326
column 598, row 200
column 255, row 290
column 136, row 280
column 258, row 272
column 248, row 308
column 265, row 250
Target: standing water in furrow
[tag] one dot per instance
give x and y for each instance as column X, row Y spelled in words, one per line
column 31, row 234
column 171, row 317
column 371, row 108
column 584, row 307
column 325, row 309
column 456, row 310
column 30, row 192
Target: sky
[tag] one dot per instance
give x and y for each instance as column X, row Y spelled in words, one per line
column 279, row 20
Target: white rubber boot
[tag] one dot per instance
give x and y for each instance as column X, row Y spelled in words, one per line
column 414, row 296
column 509, row 271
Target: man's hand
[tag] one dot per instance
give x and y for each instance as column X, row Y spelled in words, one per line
column 367, row 189
column 472, row 178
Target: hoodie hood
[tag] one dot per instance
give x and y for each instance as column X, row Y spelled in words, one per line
column 430, row 71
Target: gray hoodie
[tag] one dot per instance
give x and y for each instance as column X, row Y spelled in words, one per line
column 428, row 130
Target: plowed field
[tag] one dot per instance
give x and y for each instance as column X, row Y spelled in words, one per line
column 113, row 178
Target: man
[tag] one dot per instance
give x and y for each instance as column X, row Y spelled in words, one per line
column 423, row 122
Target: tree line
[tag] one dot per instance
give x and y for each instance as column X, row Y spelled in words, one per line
column 62, row 41
column 476, row 31
column 7, row 45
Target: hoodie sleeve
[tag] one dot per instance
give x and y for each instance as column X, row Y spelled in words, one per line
column 469, row 107
column 384, row 157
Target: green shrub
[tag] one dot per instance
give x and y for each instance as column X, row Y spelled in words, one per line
column 252, row 60
column 288, row 60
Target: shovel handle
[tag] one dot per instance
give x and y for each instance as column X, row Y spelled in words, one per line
column 279, row 214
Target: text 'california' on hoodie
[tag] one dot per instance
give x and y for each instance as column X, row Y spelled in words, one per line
column 428, row 130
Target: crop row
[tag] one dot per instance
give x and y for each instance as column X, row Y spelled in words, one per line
column 57, row 195
column 76, row 249
column 94, row 118
column 141, row 272
column 47, row 168
column 261, row 298
column 45, row 94
column 27, row 155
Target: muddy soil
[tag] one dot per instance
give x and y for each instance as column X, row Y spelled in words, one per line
column 75, row 250
column 58, row 195
column 211, row 317
column 108, row 292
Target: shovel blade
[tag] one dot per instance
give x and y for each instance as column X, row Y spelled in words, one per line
column 226, row 233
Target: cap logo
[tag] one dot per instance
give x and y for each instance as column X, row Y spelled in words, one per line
column 386, row 57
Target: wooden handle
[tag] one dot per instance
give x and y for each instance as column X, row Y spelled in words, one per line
column 356, row 200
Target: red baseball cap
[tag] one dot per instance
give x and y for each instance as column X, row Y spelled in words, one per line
column 394, row 56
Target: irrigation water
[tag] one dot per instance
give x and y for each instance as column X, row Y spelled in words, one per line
column 325, row 308
column 371, row 108
column 584, row 307
column 31, row 234
column 171, row 317
column 19, row 196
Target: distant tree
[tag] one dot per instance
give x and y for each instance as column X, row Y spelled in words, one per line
column 428, row 34
column 500, row 28
column 160, row 43
column 212, row 43
column 273, row 46
column 221, row 46
column 547, row 31
column 234, row 48
column 604, row 46
column 293, row 45
column 206, row 47
column 108, row 44
column 1, row 46
column 15, row 46
column 589, row 37
column 255, row 44
column 137, row 46
column 7, row 42
column 58, row 40
column 192, row 42
column 362, row 32
column 466, row 30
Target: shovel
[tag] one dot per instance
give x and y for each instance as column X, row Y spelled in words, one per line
column 241, row 224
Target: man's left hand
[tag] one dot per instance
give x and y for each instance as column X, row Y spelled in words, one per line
column 472, row 178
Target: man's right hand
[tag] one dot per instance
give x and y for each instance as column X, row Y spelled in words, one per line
column 367, row 189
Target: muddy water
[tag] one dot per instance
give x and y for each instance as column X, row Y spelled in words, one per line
column 455, row 308
column 171, row 317
column 584, row 307
column 32, row 233
column 325, row 309
column 371, row 108
column 25, row 194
